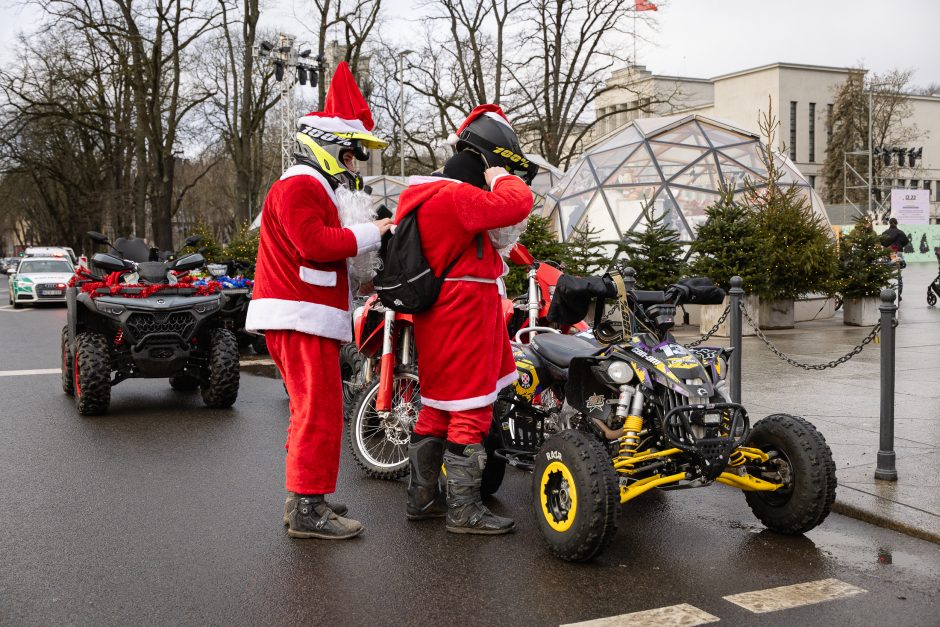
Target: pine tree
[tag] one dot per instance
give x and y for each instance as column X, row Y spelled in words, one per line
column 798, row 255
column 863, row 262
column 543, row 245
column 849, row 133
column 209, row 246
column 656, row 252
column 728, row 244
column 586, row 254
column 244, row 247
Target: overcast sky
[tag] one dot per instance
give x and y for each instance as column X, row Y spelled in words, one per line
column 705, row 38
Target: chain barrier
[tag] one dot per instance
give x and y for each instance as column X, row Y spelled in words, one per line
column 712, row 331
column 872, row 336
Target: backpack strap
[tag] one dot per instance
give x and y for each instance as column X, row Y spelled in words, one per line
column 479, row 245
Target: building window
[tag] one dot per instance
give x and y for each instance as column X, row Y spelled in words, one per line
column 914, row 183
column 828, row 124
column 812, row 181
column 793, row 130
column 812, row 132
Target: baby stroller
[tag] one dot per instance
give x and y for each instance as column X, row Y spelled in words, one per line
column 933, row 290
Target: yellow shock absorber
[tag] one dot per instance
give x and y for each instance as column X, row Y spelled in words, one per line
column 630, row 440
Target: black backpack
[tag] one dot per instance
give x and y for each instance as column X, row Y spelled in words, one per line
column 406, row 283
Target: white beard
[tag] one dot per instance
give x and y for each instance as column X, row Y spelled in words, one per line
column 357, row 208
column 503, row 239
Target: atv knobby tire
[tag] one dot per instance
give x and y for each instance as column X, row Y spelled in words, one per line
column 220, row 379
column 368, row 441
column 579, row 523
column 91, row 369
column 807, row 499
column 68, row 377
column 495, row 468
column 184, row 383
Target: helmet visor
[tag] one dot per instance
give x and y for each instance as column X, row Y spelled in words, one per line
column 501, row 156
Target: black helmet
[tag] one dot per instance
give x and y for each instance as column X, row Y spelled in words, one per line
column 495, row 141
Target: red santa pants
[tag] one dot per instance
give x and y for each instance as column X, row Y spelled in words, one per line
column 467, row 426
column 309, row 365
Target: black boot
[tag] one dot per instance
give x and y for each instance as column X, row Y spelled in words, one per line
column 290, row 503
column 425, row 496
column 465, row 510
column 312, row 518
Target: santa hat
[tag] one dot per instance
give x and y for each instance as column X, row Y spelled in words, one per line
column 345, row 110
column 488, row 110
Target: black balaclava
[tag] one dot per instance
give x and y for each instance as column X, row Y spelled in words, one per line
column 466, row 166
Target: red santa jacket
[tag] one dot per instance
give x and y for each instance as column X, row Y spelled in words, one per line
column 301, row 277
column 464, row 355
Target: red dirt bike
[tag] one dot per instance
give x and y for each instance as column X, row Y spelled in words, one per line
column 381, row 390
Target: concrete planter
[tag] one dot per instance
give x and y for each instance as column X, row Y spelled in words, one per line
column 708, row 315
column 776, row 314
column 861, row 312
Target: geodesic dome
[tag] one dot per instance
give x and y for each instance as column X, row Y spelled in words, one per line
column 548, row 177
column 675, row 163
column 385, row 190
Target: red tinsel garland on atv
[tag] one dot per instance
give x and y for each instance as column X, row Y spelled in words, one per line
column 90, row 284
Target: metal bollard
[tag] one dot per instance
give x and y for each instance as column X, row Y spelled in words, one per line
column 734, row 299
column 885, row 469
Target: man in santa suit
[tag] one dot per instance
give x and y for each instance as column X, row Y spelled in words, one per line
column 313, row 230
column 464, row 355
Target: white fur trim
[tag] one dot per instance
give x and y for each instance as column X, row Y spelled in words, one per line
column 323, row 278
column 296, row 315
column 495, row 116
column 422, row 180
column 301, row 170
column 471, row 403
column 333, row 124
column 368, row 237
column 452, row 139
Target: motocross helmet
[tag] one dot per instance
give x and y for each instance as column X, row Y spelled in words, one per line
column 487, row 132
column 345, row 124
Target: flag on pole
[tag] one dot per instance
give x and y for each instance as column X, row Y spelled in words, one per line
column 642, row 5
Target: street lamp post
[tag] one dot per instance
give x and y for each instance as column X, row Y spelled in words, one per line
column 401, row 108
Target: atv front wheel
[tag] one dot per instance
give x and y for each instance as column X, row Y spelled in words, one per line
column 220, row 381
column 576, row 497
column 68, row 381
column 802, row 462
column 379, row 444
column 495, row 468
column 91, row 370
column 184, row 383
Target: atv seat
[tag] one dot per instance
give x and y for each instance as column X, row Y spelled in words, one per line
column 561, row 349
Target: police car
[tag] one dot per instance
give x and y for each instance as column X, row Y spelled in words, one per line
column 40, row 280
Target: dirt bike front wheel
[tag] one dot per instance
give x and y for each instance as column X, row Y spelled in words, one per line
column 379, row 443
column 800, row 460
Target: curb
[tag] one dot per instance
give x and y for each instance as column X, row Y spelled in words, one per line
column 260, row 368
column 879, row 520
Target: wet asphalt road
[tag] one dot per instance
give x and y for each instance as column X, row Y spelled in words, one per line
column 165, row 512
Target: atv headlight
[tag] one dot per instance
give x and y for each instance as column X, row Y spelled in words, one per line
column 619, row 372
column 110, row 309
column 207, row 307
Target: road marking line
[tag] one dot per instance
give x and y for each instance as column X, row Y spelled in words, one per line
column 21, row 373
column 9, row 309
column 682, row 615
column 797, row 595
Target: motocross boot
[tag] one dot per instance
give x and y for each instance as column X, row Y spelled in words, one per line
column 312, row 518
column 290, row 503
column 465, row 510
column 425, row 496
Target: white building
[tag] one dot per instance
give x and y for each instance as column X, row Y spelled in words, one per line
column 802, row 97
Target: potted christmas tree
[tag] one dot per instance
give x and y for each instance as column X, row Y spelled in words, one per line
column 656, row 253
column 798, row 255
column 728, row 244
column 864, row 269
